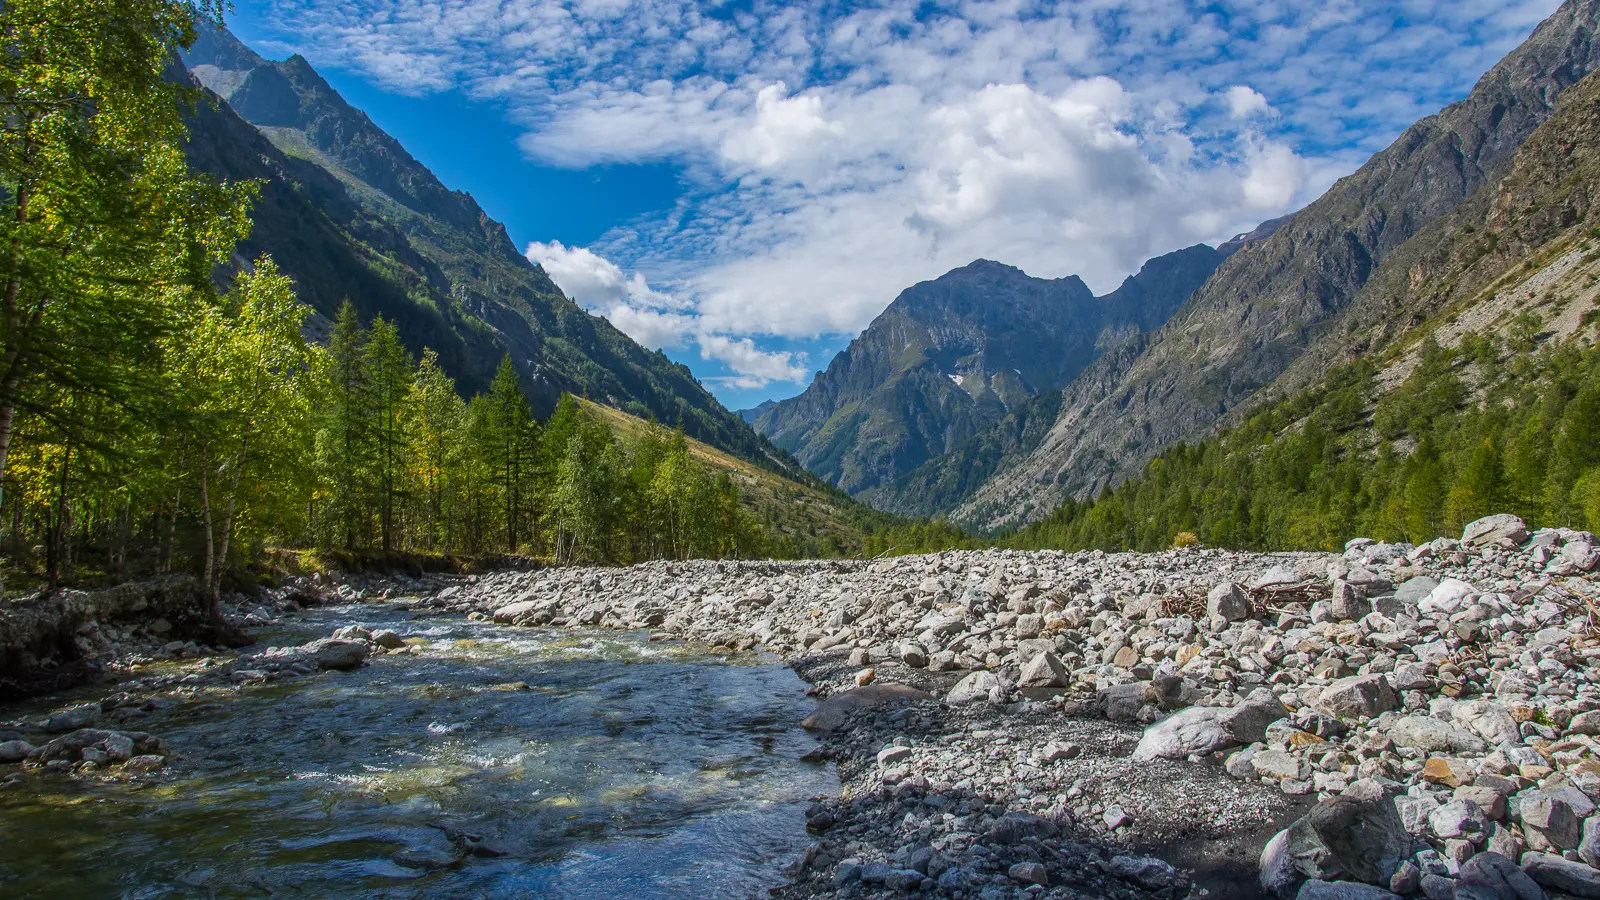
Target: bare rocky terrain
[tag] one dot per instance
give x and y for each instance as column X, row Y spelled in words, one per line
column 1392, row 720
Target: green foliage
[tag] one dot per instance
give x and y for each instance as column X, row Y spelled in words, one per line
column 1470, row 432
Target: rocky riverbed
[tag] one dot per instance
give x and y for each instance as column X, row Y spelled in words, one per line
column 1390, row 720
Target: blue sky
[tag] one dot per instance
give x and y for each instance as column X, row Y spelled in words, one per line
column 746, row 184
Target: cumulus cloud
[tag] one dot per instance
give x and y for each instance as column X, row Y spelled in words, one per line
column 837, row 152
column 658, row 319
column 1244, row 102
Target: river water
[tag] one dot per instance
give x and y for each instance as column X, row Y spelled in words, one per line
column 598, row 764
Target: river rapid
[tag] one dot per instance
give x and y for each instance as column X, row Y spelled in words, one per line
column 491, row 762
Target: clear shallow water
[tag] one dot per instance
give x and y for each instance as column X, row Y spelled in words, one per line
column 630, row 769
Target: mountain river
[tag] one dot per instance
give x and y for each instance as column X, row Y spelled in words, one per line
column 496, row 762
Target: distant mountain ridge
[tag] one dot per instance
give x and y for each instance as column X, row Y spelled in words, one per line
column 1287, row 298
column 951, row 356
column 349, row 214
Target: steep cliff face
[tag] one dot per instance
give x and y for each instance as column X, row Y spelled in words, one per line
column 1272, row 300
column 349, row 213
column 951, row 356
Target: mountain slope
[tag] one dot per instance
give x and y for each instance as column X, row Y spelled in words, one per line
column 1467, row 381
column 1271, row 301
column 951, row 356
column 348, row 213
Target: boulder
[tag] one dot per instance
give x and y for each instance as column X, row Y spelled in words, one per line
column 833, row 712
column 1358, row 696
column 1247, row 722
column 976, row 687
column 14, row 751
column 1227, row 602
column 334, row 653
column 1197, row 729
column 1433, row 736
column 1359, row 839
column 1490, row 876
column 1503, row 530
column 77, row 717
column 1552, row 871
column 388, row 640
column 510, row 613
column 1044, row 670
column 1487, row 719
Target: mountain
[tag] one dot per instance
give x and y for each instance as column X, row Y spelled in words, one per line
column 1275, row 301
column 756, row 412
column 1464, row 379
column 951, row 356
column 347, row 212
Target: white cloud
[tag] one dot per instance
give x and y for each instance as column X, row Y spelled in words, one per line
column 1244, row 102
column 752, row 366
column 835, row 153
column 657, row 319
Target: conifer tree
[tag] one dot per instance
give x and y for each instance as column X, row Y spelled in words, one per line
column 389, row 379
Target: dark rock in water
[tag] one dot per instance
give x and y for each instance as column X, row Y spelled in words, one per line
column 426, row 858
column 831, row 713
column 332, row 653
column 73, row 719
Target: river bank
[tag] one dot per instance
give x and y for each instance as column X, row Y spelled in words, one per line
column 1190, row 723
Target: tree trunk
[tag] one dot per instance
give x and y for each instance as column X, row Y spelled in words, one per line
column 214, row 586
column 58, row 526
column 205, row 517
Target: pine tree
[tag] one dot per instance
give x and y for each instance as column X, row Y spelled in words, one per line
column 346, row 439
column 389, row 379
column 509, row 437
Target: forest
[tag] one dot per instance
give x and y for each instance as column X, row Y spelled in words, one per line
column 152, row 421
column 1500, row 423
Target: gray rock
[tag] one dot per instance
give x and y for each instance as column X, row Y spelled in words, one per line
column 336, row 653
column 1342, row 890
column 1433, row 736
column 888, row 756
column 1490, row 876
column 15, row 751
column 1044, row 670
column 77, row 717
column 388, row 640
column 913, row 656
column 1497, row 530
column 1552, row 818
column 143, row 764
column 1359, row 696
column 975, row 688
column 1198, row 729
column 1016, row 827
column 1588, row 846
column 1458, row 819
column 1406, row 879
column 1413, row 590
column 832, row 713
column 1247, row 723
column 1227, row 602
column 1029, row 873
column 1561, row 874
column 1362, row 840
column 1147, row 872
column 119, row 747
